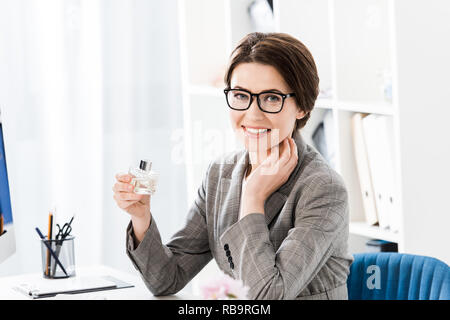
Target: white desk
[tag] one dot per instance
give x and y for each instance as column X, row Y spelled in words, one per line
column 138, row 292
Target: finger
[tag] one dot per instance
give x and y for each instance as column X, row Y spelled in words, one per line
column 273, row 156
column 128, row 196
column 293, row 161
column 123, row 187
column 279, row 160
column 294, row 152
column 294, row 155
column 123, row 177
column 286, row 152
column 124, row 204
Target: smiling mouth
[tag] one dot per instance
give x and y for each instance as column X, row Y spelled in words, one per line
column 253, row 132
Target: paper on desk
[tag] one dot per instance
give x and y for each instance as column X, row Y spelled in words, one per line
column 40, row 288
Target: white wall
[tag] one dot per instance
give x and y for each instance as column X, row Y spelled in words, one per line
column 422, row 54
column 88, row 88
column 52, row 104
column 142, row 112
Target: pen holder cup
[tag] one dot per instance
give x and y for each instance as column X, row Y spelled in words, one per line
column 64, row 265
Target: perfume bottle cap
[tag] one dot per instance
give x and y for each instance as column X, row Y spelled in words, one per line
column 145, row 165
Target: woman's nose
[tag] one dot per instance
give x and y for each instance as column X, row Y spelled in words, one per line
column 254, row 108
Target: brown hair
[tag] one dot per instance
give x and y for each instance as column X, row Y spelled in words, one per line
column 292, row 60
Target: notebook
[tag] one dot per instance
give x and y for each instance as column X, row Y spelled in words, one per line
column 42, row 288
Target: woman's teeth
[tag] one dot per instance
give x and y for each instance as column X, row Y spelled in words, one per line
column 256, row 130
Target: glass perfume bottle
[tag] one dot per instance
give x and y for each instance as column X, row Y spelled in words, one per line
column 145, row 180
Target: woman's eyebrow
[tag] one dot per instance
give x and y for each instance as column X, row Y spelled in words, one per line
column 276, row 90
column 239, row 87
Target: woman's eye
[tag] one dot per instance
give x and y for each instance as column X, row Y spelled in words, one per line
column 272, row 98
column 240, row 96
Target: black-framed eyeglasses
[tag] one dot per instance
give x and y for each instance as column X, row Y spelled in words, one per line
column 268, row 101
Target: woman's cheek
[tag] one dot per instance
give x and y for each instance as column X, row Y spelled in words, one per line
column 234, row 120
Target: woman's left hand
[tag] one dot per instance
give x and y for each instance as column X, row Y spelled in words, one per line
column 270, row 175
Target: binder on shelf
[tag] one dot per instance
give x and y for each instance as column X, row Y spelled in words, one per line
column 386, row 136
column 374, row 151
column 320, row 143
column 362, row 166
column 378, row 137
column 323, row 139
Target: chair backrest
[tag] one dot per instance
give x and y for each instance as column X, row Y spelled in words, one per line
column 398, row 276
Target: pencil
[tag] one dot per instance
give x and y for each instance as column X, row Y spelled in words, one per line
column 1, row 224
column 49, row 237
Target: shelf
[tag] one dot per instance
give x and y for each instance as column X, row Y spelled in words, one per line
column 364, row 51
column 363, row 229
column 382, row 108
column 322, row 103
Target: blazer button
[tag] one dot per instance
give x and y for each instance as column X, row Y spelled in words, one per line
column 230, row 259
column 228, row 253
column 231, row 265
column 225, row 247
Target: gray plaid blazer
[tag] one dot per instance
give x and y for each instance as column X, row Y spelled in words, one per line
column 296, row 250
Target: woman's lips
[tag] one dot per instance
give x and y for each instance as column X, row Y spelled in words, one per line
column 255, row 135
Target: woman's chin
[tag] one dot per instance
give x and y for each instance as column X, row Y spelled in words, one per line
column 263, row 151
column 257, row 145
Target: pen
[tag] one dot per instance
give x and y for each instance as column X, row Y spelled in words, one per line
column 50, row 250
column 58, row 249
column 70, row 222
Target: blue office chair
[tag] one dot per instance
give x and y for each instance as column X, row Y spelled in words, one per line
column 398, row 276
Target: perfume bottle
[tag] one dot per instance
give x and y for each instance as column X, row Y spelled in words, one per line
column 145, row 179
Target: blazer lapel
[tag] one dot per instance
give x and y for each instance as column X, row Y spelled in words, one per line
column 231, row 187
column 230, row 194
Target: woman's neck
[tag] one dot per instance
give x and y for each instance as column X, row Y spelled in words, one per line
column 256, row 158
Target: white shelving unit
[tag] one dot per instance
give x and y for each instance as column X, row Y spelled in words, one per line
column 354, row 43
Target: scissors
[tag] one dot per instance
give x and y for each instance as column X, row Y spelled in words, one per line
column 62, row 234
column 64, row 231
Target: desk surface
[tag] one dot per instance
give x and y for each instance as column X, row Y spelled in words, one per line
column 138, row 292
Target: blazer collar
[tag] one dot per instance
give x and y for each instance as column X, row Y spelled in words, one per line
column 231, row 187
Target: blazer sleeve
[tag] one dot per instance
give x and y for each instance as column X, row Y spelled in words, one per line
column 320, row 215
column 166, row 269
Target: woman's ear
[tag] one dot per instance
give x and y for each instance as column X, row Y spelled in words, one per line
column 300, row 114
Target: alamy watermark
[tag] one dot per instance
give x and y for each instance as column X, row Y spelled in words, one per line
column 208, row 144
column 374, row 280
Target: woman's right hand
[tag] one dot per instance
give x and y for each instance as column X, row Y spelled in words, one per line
column 137, row 205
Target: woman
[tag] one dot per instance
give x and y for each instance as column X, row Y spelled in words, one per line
column 275, row 214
